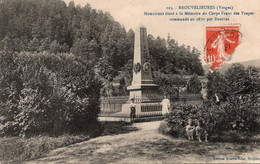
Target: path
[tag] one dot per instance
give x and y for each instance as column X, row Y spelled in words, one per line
column 143, row 146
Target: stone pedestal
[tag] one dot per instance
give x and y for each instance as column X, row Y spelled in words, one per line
column 143, row 88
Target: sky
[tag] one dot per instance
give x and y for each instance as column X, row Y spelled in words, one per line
column 130, row 13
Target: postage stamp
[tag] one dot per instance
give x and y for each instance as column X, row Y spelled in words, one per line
column 221, row 42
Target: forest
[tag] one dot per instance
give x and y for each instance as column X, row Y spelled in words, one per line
column 54, row 27
column 57, row 59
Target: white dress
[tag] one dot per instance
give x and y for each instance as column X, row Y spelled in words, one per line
column 165, row 106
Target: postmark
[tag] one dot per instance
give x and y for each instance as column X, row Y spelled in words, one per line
column 221, row 42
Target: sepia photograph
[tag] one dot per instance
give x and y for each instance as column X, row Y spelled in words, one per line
column 129, row 81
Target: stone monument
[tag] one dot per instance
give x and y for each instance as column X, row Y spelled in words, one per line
column 143, row 88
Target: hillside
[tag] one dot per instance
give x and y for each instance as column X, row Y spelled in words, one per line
column 225, row 66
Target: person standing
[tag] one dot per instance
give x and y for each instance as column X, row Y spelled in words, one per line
column 198, row 130
column 217, row 99
column 165, row 105
column 132, row 110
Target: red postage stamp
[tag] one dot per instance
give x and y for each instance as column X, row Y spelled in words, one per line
column 221, row 43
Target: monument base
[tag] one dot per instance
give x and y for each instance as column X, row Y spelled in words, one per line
column 143, row 109
column 143, row 91
column 146, row 99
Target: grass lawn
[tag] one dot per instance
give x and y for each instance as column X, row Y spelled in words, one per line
column 20, row 149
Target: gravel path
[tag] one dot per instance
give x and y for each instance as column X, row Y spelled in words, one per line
column 146, row 145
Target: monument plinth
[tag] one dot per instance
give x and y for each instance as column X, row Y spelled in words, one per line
column 143, row 88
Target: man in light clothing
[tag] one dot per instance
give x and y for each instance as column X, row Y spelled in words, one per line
column 165, row 105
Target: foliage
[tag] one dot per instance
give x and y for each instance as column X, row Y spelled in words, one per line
column 54, row 27
column 238, row 112
column 216, row 84
column 126, row 76
column 164, row 128
column 239, row 116
column 88, row 50
column 168, row 84
column 237, row 80
column 169, row 57
column 47, row 93
column 241, row 80
column 194, row 85
column 16, row 149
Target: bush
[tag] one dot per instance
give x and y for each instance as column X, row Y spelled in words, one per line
column 236, row 81
column 164, row 128
column 47, row 93
column 168, row 83
column 239, row 117
column 194, row 85
column 177, row 119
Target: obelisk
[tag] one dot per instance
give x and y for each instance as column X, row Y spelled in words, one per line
column 143, row 89
column 142, row 83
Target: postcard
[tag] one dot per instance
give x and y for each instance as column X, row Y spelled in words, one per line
column 129, row 81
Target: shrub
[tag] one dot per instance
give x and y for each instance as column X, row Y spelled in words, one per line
column 194, row 84
column 236, row 81
column 164, row 128
column 216, row 83
column 168, row 83
column 47, row 93
column 239, row 117
column 177, row 119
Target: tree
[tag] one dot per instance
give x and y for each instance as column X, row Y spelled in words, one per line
column 126, row 76
column 237, row 81
column 105, row 73
column 11, row 86
column 157, row 50
column 242, row 81
column 47, row 93
column 168, row 84
column 88, row 50
column 254, row 76
column 54, row 27
column 216, row 84
column 194, row 84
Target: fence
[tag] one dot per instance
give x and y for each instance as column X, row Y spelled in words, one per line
column 114, row 104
